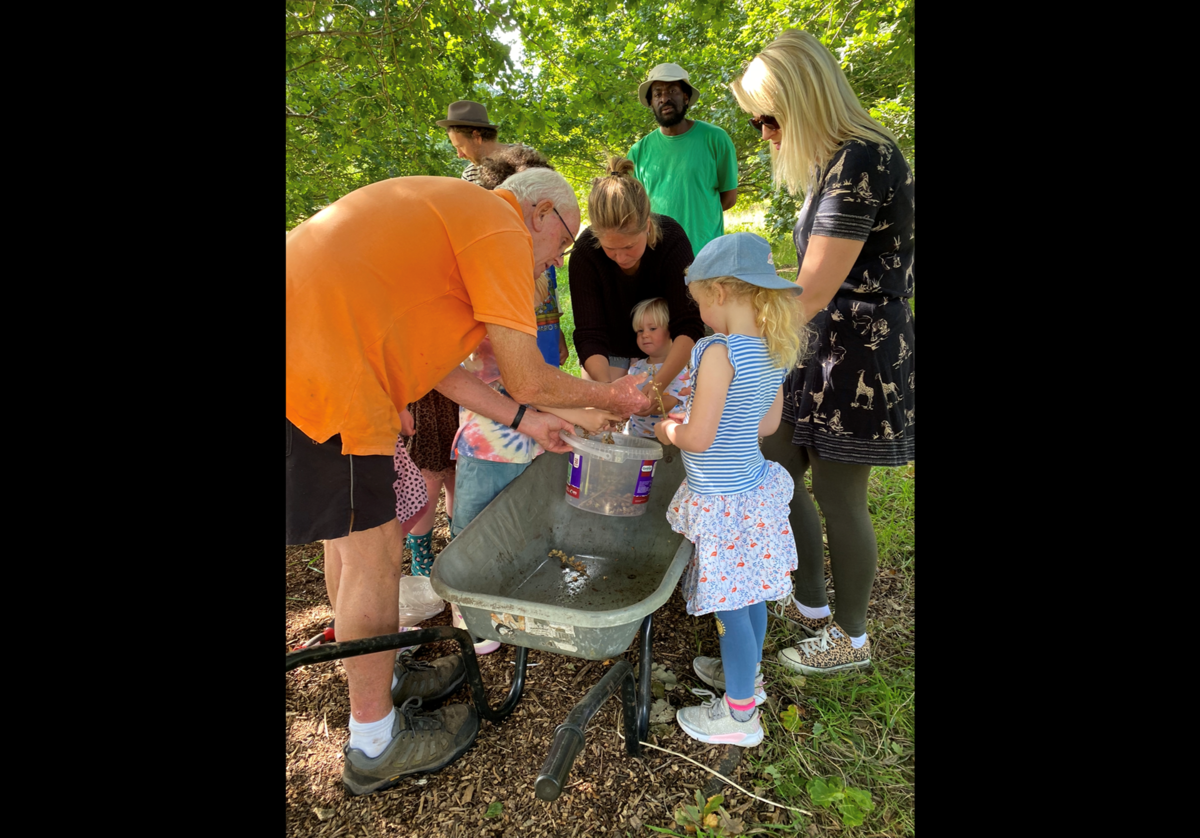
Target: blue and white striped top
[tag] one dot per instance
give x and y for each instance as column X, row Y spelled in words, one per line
column 734, row 463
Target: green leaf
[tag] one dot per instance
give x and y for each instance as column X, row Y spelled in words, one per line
column 825, row 792
column 860, row 798
column 713, row 803
column 851, row 815
column 791, row 718
column 495, row 810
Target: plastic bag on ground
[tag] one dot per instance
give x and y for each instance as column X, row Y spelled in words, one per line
column 418, row 602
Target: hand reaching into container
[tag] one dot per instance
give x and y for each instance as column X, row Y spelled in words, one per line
column 544, row 428
column 627, row 398
column 592, row 420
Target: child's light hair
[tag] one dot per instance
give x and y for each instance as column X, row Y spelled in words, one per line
column 654, row 310
column 776, row 311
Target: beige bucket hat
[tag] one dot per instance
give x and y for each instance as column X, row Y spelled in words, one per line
column 666, row 72
column 468, row 113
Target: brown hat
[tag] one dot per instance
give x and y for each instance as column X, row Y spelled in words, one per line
column 464, row 112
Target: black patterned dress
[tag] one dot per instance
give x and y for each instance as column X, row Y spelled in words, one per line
column 853, row 399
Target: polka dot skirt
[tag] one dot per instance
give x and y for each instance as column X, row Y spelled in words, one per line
column 409, row 485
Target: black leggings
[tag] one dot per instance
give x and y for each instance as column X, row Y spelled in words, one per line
column 841, row 491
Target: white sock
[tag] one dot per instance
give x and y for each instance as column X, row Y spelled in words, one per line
column 812, row 613
column 372, row 737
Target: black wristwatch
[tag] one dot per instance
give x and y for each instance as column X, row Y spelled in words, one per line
column 517, row 421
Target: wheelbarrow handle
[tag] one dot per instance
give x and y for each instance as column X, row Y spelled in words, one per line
column 388, row 642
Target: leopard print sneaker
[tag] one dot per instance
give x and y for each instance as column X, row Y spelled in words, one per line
column 829, row 651
column 790, row 614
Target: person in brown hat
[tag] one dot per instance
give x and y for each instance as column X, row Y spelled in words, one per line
column 689, row 167
column 472, row 136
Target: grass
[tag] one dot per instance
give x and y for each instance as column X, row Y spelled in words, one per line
column 567, row 322
column 856, row 728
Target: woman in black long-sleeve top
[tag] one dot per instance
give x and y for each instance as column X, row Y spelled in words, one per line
column 627, row 255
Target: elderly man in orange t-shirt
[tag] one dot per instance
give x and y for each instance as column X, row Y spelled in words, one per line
column 389, row 289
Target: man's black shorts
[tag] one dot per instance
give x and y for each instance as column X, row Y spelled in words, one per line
column 330, row 493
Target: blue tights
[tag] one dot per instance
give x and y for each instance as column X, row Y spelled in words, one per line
column 741, row 647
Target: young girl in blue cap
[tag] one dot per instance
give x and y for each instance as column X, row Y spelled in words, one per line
column 733, row 504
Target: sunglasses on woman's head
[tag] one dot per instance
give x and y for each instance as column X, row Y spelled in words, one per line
column 757, row 122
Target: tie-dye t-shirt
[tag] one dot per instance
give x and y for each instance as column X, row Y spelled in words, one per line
column 483, row 438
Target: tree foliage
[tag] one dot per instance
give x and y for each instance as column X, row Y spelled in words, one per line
column 366, row 80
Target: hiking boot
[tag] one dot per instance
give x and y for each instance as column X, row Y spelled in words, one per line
column 829, row 651
column 482, row 647
column 713, row 722
column 790, row 614
column 429, row 681
column 421, row 742
column 712, row 672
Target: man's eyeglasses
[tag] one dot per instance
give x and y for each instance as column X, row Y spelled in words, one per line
column 757, row 122
column 568, row 229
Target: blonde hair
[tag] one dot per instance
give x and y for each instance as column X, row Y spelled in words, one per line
column 618, row 203
column 655, row 310
column 797, row 80
column 777, row 312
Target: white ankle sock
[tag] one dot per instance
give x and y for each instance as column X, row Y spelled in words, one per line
column 372, row 737
column 812, row 613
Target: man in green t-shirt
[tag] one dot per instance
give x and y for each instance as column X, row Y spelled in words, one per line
column 689, row 168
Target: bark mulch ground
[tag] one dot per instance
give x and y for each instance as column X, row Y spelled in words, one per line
column 608, row 793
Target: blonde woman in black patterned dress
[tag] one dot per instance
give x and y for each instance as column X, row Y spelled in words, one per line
column 851, row 405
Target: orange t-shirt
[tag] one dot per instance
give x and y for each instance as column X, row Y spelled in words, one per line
column 388, row 289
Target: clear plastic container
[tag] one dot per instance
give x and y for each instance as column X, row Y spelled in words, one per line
column 611, row 479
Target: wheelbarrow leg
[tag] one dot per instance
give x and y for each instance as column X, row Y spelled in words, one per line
column 514, row 692
column 636, row 696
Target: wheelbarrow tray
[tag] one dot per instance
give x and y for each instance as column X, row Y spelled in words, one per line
column 500, row 573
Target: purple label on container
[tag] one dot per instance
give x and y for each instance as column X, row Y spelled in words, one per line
column 576, row 469
column 641, row 494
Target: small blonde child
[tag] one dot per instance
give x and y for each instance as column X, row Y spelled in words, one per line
column 733, row 504
column 650, row 320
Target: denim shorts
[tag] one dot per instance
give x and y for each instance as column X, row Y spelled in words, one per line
column 476, row 484
column 618, row 361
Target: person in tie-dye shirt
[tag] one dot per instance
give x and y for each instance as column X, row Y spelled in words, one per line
column 490, row 455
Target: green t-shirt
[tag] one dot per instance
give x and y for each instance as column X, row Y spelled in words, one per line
column 685, row 175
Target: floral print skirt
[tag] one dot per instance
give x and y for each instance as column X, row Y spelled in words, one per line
column 745, row 551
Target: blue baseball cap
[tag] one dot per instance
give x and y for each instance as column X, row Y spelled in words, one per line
column 743, row 256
